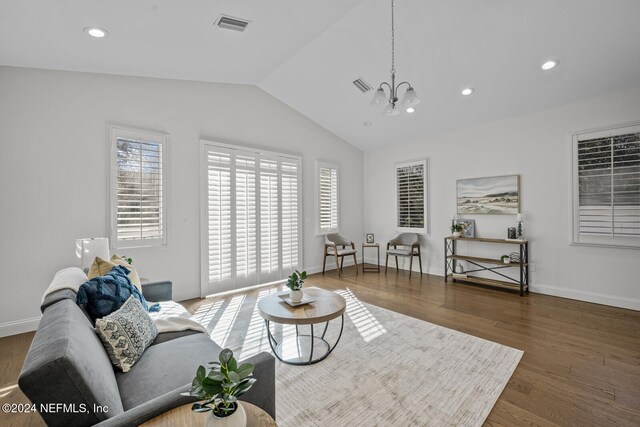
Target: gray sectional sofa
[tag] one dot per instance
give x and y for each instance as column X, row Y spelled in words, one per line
column 67, row 364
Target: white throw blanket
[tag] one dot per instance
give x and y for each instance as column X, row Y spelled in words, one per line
column 172, row 317
column 67, row 278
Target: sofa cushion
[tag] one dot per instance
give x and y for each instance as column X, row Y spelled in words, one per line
column 100, row 267
column 103, row 295
column 168, row 336
column 126, row 333
column 165, row 367
column 67, row 364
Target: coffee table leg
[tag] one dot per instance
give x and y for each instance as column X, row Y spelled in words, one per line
column 339, row 336
column 274, row 344
column 312, row 340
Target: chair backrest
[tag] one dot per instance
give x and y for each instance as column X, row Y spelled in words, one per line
column 404, row 239
column 337, row 239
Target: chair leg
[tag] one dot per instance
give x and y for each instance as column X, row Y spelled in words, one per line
column 420, row 262
column 324, row 262
column 355, row 262
column 337, row 265
column 386, row 264
column 341, row 262
column 397, row 266
column 410, row 265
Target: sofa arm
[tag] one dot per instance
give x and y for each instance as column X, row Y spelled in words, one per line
column 158, row 291
column 141, row 413
column 263, row 392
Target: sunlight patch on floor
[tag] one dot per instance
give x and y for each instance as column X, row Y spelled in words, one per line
column 6, row 391
column 206, row 312
column 222, row 329
column 256, row 339
column 366, row 324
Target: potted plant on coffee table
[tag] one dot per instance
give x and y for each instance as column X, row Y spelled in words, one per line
column 220, row 389
column 294, row 283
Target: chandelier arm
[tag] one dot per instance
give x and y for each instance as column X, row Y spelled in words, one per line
column 388, row 85
column 400, row 84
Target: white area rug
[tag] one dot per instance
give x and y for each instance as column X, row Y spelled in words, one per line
column 387, row 370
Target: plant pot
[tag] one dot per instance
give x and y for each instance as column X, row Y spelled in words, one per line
column 457, row 233
column 296, row 296
column 506, row 261
column 237, row 419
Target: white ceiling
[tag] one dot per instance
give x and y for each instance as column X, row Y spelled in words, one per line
column 307, row 52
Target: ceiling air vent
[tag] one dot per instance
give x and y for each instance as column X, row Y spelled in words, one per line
column 231, row 23
column 361, row 84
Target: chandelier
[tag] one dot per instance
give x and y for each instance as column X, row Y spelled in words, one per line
column 390, row 101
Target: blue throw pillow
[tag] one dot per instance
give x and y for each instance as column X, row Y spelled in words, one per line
column 103, row 295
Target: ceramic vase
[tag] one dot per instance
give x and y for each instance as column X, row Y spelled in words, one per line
column 457, row 234
column 237, row 419
column 296, row 296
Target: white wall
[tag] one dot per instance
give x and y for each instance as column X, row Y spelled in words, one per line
column 537, row 147
column 53, row 171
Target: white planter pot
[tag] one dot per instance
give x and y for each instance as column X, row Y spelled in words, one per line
column 237, row 419
column 506, row 261
column 296, row 296
column 457, row 234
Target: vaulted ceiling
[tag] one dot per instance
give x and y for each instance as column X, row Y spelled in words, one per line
column 307, row 52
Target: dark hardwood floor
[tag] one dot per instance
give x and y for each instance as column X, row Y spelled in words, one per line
column 581, row 363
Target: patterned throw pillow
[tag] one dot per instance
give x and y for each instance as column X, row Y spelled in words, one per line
column 126, row 333
column 103, row 295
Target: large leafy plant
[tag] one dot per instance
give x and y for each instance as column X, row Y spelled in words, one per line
column 296, row 280
column 222, row 386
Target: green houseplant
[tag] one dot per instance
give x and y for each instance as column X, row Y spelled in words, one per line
column 457, row 229
column 294, row 283
column 220, row 389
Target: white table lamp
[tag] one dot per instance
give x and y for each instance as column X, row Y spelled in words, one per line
column 88, row 249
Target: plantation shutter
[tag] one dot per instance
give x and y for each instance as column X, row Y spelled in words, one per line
column 269, row 220
column 328, row 199
column 219, row 217
column 608, row 173
column 410, row 190
column 253, row 218
column 291, row 214
column 137, row 189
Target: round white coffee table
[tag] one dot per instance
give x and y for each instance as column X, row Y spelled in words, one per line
column 303, row 349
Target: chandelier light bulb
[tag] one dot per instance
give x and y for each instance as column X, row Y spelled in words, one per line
column 379, row 97
column 410, row 110
column 410, row 98
column 390, row 110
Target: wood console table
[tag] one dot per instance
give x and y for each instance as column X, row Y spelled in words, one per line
column 451, row 257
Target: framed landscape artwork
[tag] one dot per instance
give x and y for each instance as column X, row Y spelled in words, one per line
column 492, row 195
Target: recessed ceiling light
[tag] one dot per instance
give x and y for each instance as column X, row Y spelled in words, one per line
column 95, row 32
column 410, row 110
column 467, row 91
column 552, row 63
column 367, row 124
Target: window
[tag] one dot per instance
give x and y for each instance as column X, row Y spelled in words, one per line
column 606, row 187
column 138, row 195
column 327, row 175
column 411, row 196
column 251, row 217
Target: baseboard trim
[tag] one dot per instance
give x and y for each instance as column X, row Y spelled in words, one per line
column 21, row 326
column 594, row 297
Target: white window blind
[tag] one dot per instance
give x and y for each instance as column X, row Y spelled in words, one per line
column 137, row 188
column 252, row 217
column 411, row 196
column 607, row 183
column 327, row 196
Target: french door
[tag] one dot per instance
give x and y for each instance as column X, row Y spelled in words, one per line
column 251, row 217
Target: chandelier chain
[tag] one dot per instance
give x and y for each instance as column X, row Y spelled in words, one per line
column 393, row 41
